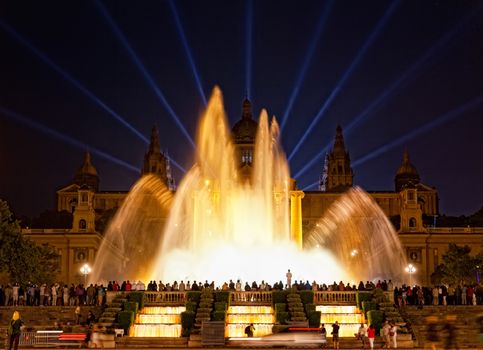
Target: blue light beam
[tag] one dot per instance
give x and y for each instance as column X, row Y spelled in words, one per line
column 143, row 70
column 187, row 50
column 62, row 137
column 400, row 82
column 248, row 48
column 307, row 59
column 44, row 58
column 370, row 40
column 442, row 119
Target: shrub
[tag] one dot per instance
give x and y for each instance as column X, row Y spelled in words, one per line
column 362, row 296
column 190, row 306
column 193, row 296
column 187, row 320
column 368, row 306
column 314, row 318
column 280, row 307
column 374, row 317
column 220, row 306
column 218, row 316
column 307, row 296
column 137, row 297
column 223, row 296
column 125, row 320
column 281, row 317
column 279, row 296
column 131, row 306
column 309, row 308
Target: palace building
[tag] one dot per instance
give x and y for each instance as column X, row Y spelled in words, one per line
column 410, row 205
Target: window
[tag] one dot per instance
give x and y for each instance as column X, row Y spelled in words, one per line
column 412, row 222
column 82, row 224
column 84, row 197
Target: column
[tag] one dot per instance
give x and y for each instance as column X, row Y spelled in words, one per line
column 296, row 217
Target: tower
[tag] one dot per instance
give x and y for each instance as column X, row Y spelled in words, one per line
column 87, row 174
column 339, row 175
column 156, row 162
column 84, row 214
column 406, row 174
column 244, row 133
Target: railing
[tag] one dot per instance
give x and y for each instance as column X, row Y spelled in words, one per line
column 455, row 229
column 251, row 298
column 165, row 298
column 334, row 298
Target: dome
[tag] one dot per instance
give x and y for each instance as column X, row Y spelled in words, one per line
column 245, row 130
column 87, row 167
column 406, row 168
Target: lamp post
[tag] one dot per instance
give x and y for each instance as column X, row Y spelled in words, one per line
column 85, row 270
column 410, row 269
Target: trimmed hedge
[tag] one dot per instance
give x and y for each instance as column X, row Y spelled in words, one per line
column 362, row 296
column 187, row 320
column 220, row 306
column 125, row 319
column 137, row 297
column 314, row 318
column 368, row 306
column 279, row 297
column 281, row 317
column 223, row 296
column 280, row 307
column 309, row 308
column 190, row 306
column 374, row 317
column 131, row 306
column 218, row 316
column 307, row 296
column 193, row 296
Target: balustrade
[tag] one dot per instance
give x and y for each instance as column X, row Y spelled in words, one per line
column 165, row 298
column 251, row 298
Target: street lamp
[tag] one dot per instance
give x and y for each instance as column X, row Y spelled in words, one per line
column 410, row 269
column 85, row 270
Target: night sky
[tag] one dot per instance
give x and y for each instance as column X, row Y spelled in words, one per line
column 414, row 61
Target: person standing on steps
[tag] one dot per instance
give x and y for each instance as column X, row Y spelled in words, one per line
column 335, row 334
column 323, row 333
column 289, row 279
column 371, row 335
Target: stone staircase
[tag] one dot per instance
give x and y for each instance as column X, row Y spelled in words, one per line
column 203, row 313
column 108, row 317
column 466, row 322
column 296, row 309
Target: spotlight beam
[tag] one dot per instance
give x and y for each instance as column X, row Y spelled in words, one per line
column 306, row 188
column 370, row 40
column 307, row 59
column 187, row 50
column 442, row 119
column 248, row 48
column 388, row 92
column 62, row 137
column 44, row 58
column 122, row 39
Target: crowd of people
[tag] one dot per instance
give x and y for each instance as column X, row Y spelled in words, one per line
column 52, row 295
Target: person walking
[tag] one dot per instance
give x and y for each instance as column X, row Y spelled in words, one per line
column 393, row 335
column 323, row 333
column 362, row 334
column 14, row 330
column 371, row 335
column 385, row 335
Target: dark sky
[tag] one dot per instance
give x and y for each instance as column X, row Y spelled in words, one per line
column 447, row 152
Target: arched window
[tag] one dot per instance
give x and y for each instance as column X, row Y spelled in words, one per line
column 412, row 222
column 82, row 224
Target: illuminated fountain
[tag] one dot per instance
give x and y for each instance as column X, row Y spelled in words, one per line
column 238, row 317
column 225, row 224
column 222, row 225
column 348, row 317
column 158, row 322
